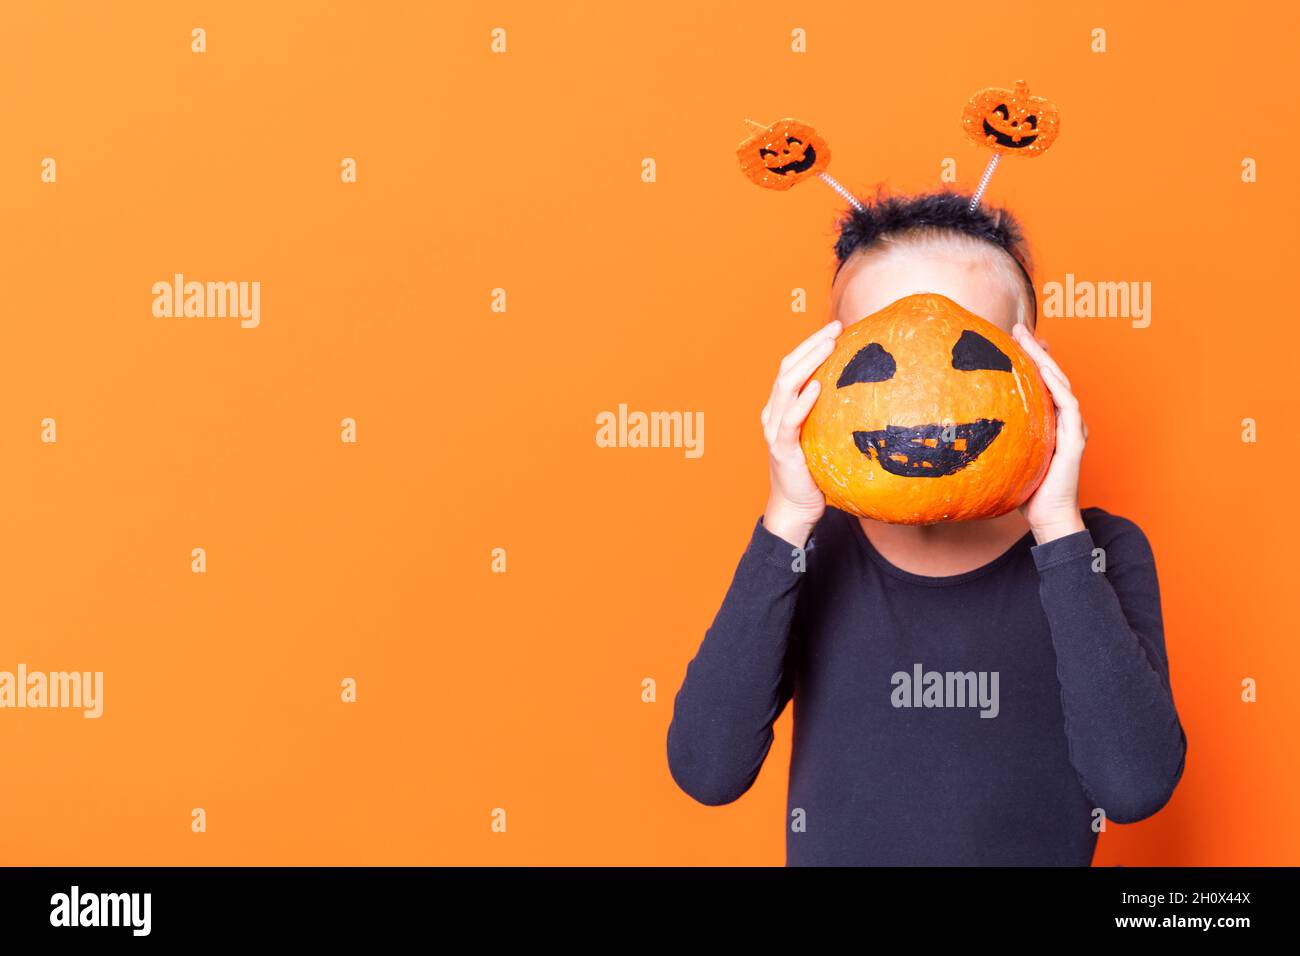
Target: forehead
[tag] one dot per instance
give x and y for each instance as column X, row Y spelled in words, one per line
column 973, row 276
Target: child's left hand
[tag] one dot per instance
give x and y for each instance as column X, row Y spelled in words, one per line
column 1053, row 510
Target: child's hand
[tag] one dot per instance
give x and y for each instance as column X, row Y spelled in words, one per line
column 795, row 503
column 1053, row 510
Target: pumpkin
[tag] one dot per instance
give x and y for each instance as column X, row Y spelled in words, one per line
column 783, row 154
column 928, row 413
column 1012, row 121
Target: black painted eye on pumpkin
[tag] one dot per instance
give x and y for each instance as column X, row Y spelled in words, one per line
column 871, row 364
column 973, row 352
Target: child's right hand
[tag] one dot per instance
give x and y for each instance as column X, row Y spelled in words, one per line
column 795, row 503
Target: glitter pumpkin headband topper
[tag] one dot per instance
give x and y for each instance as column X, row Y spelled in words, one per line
column 786, row 153
column 789, row 151
column 1009, row 121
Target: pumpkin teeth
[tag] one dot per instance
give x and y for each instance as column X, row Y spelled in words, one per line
column 922, row 451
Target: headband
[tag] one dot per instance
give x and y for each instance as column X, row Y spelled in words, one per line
column 783, row 154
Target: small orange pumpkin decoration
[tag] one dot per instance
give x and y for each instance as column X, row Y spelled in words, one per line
column 928, row 413
column 1012, row 121
column 783, row 154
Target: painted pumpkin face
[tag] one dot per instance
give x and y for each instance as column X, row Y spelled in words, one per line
column 1012, row 121
column 928, row 413
column 783, row 154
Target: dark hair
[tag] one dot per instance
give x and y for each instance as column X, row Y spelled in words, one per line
column 888, row 215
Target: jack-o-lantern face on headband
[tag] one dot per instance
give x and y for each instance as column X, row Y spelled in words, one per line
column 1012, row 121
column 928, row 413
column 783, row 154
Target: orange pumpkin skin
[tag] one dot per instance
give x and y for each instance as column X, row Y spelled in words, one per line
column 1012, row 121
column 963, row 427
column 784, row 154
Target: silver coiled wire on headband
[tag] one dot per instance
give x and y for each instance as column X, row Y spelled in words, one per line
column 848, row 197
column 984, row 182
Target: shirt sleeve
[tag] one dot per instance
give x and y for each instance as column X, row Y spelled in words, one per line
column 739, row 681
column 1103, row 606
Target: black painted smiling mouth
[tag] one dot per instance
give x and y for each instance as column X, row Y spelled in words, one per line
column 923, row 452
column 1003, row 139
column 798, row 166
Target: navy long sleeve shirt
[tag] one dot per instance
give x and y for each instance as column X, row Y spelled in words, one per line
column 984, row 718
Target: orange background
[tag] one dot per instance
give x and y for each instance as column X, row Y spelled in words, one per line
column 477, row 430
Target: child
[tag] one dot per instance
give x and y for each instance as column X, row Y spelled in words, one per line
column 1065, row 658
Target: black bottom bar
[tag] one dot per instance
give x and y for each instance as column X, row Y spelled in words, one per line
column 206, row 905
